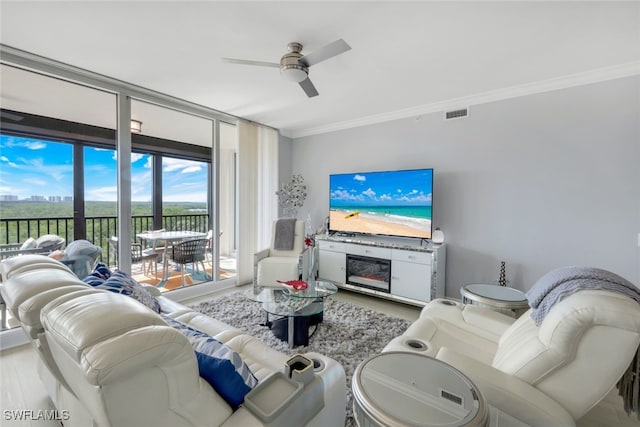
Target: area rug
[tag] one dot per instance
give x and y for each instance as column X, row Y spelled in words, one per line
column 349, row 333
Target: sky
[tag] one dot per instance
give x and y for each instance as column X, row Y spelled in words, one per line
column 31, row 167
column 394, row 188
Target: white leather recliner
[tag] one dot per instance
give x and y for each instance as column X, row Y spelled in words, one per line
column 544, row 375
column 271, row 264
column 107, row 360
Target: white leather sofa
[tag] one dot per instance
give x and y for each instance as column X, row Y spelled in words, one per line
column 547, row 375
column 107, row 360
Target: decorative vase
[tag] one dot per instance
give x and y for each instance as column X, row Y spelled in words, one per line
column 502, row 278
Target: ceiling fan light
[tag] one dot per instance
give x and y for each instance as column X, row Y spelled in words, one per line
column 293, row 74
column 136, row 126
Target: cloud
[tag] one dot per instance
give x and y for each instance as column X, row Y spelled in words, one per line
column 191, row 169
column 369, row 193
column 170, row 164
column 35, row 145
column 102, row 194
column 29, row 144
column 360, row 178
column 134, row 156
column 420, row 198
column 345, row 195
column 37, row 182
column 4, row 158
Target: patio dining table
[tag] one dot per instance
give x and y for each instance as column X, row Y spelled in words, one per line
column 169, row 237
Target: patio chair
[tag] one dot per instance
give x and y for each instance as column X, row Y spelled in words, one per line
column 210, row 242
column 189, row 252
column 43, row 245
column 148, row 257
column 158, row 249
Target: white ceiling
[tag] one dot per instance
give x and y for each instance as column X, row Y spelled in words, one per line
column 406, row 58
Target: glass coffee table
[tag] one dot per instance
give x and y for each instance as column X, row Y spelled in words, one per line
column 295, row 311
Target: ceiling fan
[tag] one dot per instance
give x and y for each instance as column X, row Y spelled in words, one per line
column 294, row 66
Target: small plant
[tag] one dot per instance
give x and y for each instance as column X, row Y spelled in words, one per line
column 292, row 195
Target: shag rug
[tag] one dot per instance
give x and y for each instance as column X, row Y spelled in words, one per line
column 349, row 333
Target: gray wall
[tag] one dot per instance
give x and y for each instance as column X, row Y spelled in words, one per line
column 541, row 181
column 284, row 163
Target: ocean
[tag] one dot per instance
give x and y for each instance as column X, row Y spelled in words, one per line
column 417, row 212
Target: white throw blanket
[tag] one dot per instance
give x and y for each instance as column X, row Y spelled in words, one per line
column 562, row 282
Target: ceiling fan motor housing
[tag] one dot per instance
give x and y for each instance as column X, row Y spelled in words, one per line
column 290, row 66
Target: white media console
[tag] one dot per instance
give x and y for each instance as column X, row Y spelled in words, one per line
column 409, row 273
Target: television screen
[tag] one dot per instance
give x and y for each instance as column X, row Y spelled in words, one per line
column 392, row 203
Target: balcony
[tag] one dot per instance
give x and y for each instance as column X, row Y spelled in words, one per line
column 100, row 229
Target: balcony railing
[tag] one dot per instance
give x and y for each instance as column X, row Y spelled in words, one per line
column 98, row 229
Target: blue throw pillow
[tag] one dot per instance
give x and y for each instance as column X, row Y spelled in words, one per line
column 218, row 364
column 121, row 283
column 99, row 274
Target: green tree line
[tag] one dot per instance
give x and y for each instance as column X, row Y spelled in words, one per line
column 20, row 220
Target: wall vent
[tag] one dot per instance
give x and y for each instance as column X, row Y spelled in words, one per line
column 456, row 114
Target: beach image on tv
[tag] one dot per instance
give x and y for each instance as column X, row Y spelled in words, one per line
column 396, row 203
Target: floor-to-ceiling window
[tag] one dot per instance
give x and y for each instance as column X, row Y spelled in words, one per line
column 36, row 188
column 57, row 112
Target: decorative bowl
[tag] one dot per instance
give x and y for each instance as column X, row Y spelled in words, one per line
column 294, row 286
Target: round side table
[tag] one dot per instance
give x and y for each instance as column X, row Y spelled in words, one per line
column 498, row 298
column 402, row 389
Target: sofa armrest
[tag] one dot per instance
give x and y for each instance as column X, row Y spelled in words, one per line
column 260, row 255
column 508, row 393
column 333, row 413
column 480, row 321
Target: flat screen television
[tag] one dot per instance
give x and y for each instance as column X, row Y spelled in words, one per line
column 391, row 203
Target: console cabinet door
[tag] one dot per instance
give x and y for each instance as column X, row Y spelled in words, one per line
column 411, row 279
column 333, row 266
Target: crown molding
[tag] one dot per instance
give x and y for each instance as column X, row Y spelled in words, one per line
column 557, row 83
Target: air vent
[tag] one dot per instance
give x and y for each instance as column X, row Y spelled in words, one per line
column 456, row 114
column 451, row 397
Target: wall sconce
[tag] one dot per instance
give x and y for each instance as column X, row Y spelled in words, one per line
column 136, row 126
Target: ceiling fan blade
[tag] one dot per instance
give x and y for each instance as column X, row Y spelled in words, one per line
column 308, row 88
column 329, row 51
column 11, row 116
column 247, row 62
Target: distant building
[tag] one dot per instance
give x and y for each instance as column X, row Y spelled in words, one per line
column 8, row 198
column 55, row 198
column 37, row 199
column 67, row 199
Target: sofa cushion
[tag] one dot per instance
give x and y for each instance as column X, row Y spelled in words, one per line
column 218, row 364
column 121, row 283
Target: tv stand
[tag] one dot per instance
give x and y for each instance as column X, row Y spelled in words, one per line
column 410, row 272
